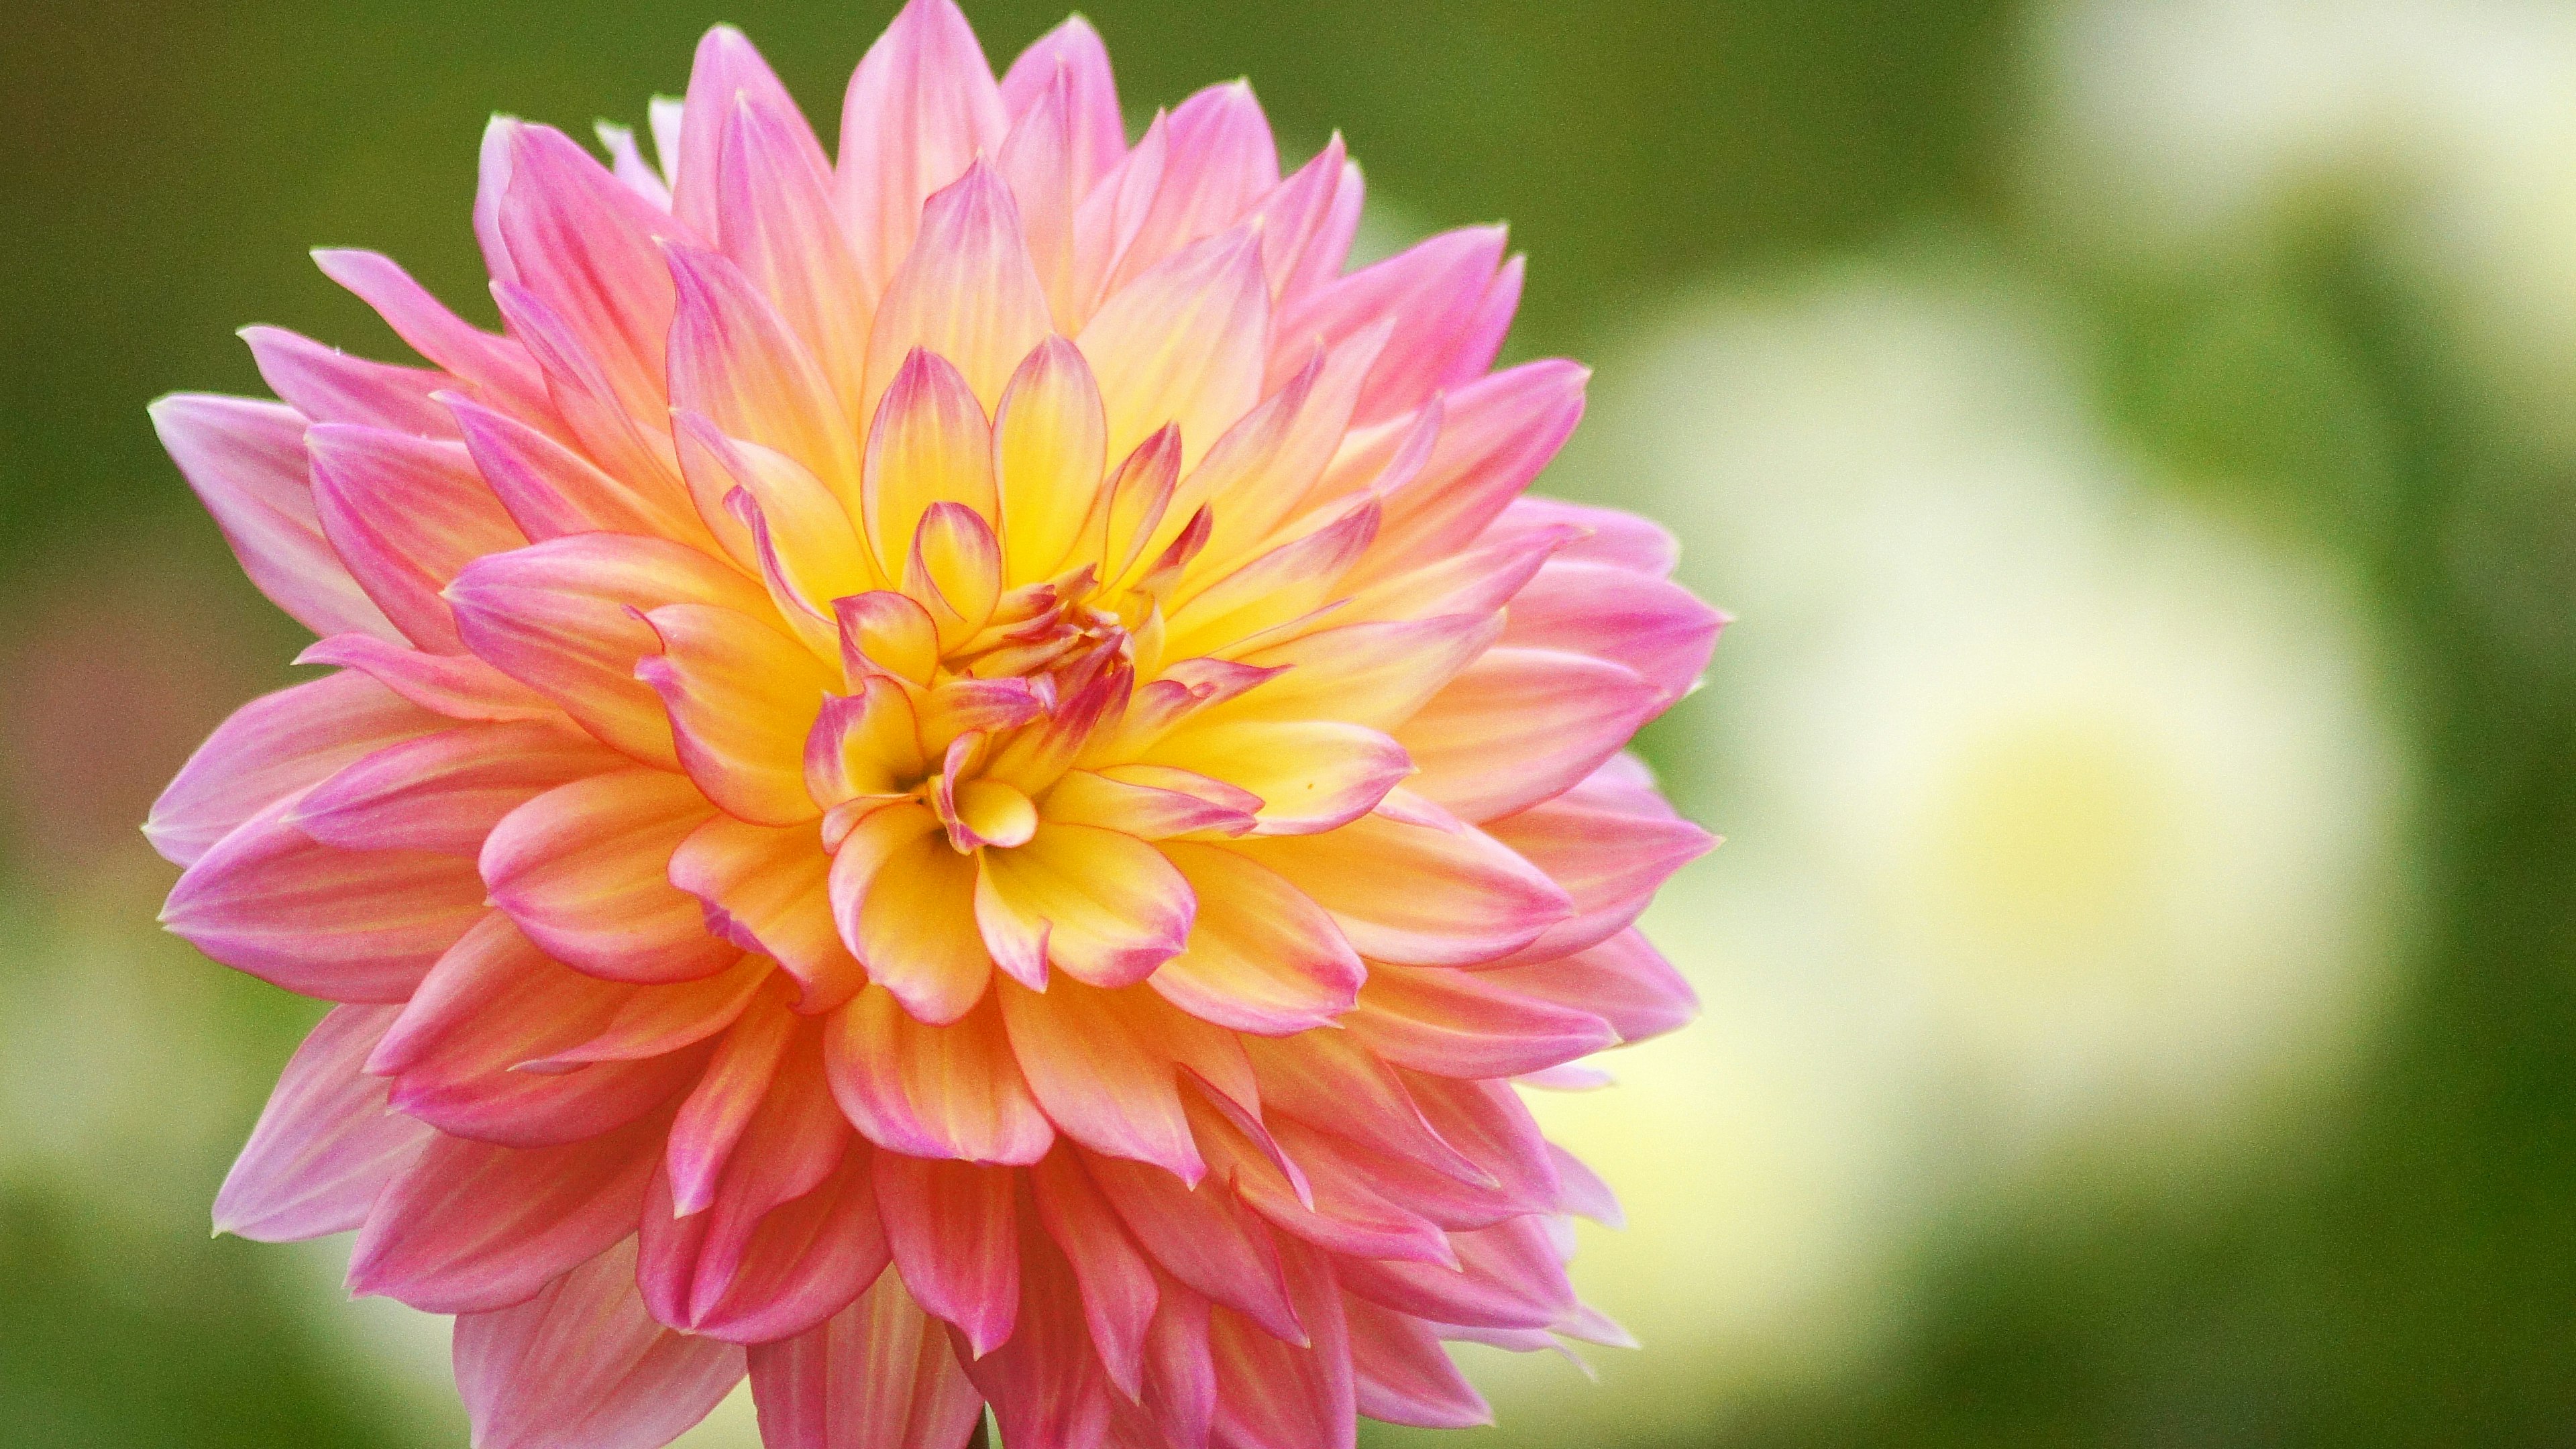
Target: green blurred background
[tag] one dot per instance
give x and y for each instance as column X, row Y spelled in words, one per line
column 2138, row 437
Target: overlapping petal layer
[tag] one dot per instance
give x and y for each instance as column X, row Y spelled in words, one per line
column 962, row 767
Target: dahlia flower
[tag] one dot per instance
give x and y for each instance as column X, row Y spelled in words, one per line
column 954, row 777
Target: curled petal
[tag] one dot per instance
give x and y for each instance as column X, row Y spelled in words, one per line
column 742, row 698
column 905, row 905
column 1105, row 908
column 766, row 889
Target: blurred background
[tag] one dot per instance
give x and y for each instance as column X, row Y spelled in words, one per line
column 2137, row 437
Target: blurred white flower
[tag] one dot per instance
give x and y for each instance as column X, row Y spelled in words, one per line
column 2449, row 125
column 2062, row 820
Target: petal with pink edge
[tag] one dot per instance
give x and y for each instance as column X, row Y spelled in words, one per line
column 1520, row 725
column 273, row 747
column 325, row 1145
column 1420, row 895
column 585, row 871
column 245, row 460
column 933, row 1091
column 879, row 1375
column 954, row 1230
column 583, row 1363
column 1263, row 957
column 920, row 108
column 766, row 890
column 445, row 791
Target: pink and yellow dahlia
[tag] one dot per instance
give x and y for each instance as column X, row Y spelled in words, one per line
column 955, row 777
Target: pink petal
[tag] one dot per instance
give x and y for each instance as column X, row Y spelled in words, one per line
column 1654, row 627
column 496, row 366
column 1510, row 1278
column 933, row 1091
column 583, row 245
column 561, row 617
column 1262, row 957
column 1204, row 1237
column 920, row 108
column 1434, row 290
column 1418, row 895
column 585, row 871
column 343, row 925
column 1607, row 535
column 458, row 686
column 325, row 1144
column 550, row 490
column 765, row 890
column 273, row 747
column 1288, row 1395
column 1402, row 1375
column 583, row 1363
column 1074, row 52
column 1066, row 135
column 1102, row 1077
column 727, row 72
column 1496, row 434
column 734, row 362
column 445, row 791
column 1311, row 777
column 1520, row 725
column 246, row 462
column 1183, row 344
column 719, row 1107
column 1377, row 674
column 490, row 1005
column 1581, row 1190
column 1461, row 1024
column 1623, row 980
column 968, row 291
column 1114, row 1278
column 329, row 386
column 1221, row 162
column 778, row 225
column 799, row 1264
column 880, row 1375
column 1332, row 1083
column 586, row 397
column 953, row 1229
column 406, row 514
column 469, row 1227
column 1610, row 846
column 1046, row 1385
column 663, row 1019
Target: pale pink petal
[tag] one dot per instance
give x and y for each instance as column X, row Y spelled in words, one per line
column 1496, row 434
column 406, row 514
column 953, row 1228
column 445, row 791
column 1262, row 957
column 1462, row 1024
column 246, row 462
column 1066, row 135
column 1510, row 1278
column 1221, row 161
column 496, row 366
column 616, row 438
column 1655, row 627
column 879, row 1375
column 1606, row 535
column 778, row 226
column 1375, row 674
column 562, row 617
column 1434, row 290
column 1401, row 1374
column 1416, row 894
column 585, row 871
column 968, row 291
column 1096, row 1068
column 327, row 385
column 494, row 1003
column 458, row 686
column 719, row 1107
column 1581, row 1190
column 1183, row 344
column 920, row 108
column 726, row 73
column 663, row 1019
column 551, row 490
column 1610, row 846
column 583, row 245
column 1624, row 980
column 583, row 1363
column 343, row 925
column 325, row 1145
column 469, row 1227
column 273, row 747
column 933, row 1091
column 734, row 362
column 1520, row 725
column 929, row 444
column 1332, row 1083
column 626, row 159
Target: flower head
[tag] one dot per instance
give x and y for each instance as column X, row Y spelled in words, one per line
column 958, row 776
